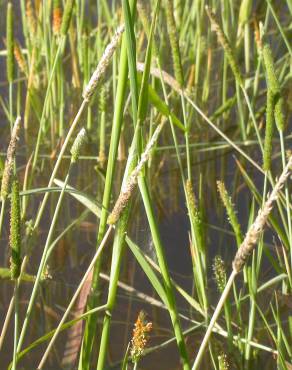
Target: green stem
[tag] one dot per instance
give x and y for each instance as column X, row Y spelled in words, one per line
column 11, row 104
column 2, row 214
column 89, row 332
column 16, row 323
column 118, row 248
column 287, row 198
column 214, row 318
column 164, row 271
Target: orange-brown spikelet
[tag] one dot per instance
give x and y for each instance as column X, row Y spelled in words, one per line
column 31, row 17
column 57, row 17
column 257, row 34
column 19, row 57
column 140, row 336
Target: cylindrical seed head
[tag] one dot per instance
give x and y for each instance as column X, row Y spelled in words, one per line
column 273, row 83
column 8, row 168
column 255, row 230
column 226, row 45
column 99, row 73
column 77, row 145
column 279, row 113
column 219, row 273
column 269, row 131
column 174, row 44
column 19, row 57
column 230, row 210
column 129, row 187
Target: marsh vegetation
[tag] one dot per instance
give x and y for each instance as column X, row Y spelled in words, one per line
column 145, row 196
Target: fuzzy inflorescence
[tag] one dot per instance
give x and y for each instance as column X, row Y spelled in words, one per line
column 226, row 46
column 31, row 19
column 274, row 89
column 19, row 57
column 223, row 362
column 219, row 273
column 77, row 145
column 230, row 209
column 194, row 213
column 272, row 80
column 57, row 17
column 99, row 73
column 174, row 44
column 8, row 168
column 254, row 232
column 140, row 337
column 128, row 189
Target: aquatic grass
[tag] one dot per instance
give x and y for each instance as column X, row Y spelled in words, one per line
column 231, row 212
column 140, row 337
column 8, row 170
column 275, row 111
column 73, row 300
column 128, row 189
column 112, row 155
column 197, row 245
column 65, row 144
column 43, row 204
column 200, row 281
column 248, row 245
column 235, row 69
column 172, row 33
column 75, row 152
column 9, row 163
column 169, row 80
column 19, row 58
column 119, row 239
column 103, row 64
column 114, row 218
column 143, row 186
column 184, row 132
column 146, row 264
column 226, row 46
column 63, row 31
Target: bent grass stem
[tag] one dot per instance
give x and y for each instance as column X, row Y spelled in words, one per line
column 75, row 296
